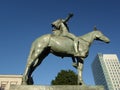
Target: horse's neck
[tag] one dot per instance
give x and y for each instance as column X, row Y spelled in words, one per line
column 89, row 37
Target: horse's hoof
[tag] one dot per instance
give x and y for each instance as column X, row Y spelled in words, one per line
column 24, row 83
column 80, row 83
column 24, row 80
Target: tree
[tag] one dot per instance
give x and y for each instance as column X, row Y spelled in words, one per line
column 65, row 77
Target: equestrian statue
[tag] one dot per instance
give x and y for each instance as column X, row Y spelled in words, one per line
column 61, row 43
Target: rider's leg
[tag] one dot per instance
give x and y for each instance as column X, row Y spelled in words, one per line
column 69, row 35
column 76, row 43
column 75, row 39
column 76, row 47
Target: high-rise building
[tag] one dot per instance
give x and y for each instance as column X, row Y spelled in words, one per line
column 7, row 80
column 106, row 71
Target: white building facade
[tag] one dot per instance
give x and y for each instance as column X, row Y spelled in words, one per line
column 7, row 80
column 106, row 71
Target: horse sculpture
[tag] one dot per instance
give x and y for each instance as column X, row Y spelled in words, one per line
column 61, row 46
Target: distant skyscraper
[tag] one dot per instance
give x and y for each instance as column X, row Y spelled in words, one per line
column 106, row 71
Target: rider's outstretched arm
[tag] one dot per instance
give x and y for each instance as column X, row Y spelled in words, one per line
column 69, row 16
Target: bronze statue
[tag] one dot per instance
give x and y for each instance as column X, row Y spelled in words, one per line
column 62, row 45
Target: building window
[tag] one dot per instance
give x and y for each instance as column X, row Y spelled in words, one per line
column 13, row 83
column 3, row 84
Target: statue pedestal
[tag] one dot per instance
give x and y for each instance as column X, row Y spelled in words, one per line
column 55, row 87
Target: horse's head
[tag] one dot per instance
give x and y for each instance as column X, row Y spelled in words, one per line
column 100, row 36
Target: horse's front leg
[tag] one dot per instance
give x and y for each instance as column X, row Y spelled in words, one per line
column 80, row 70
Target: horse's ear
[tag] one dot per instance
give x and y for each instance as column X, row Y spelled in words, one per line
column 95, row 29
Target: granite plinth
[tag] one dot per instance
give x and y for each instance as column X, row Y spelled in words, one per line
column 55, row 87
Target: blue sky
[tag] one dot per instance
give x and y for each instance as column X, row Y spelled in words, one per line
column 22, row 21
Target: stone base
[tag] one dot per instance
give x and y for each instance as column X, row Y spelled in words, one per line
column 55, row 87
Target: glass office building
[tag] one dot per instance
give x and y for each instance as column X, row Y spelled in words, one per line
column 106, row 71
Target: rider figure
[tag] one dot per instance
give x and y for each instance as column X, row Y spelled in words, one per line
column 61, row 29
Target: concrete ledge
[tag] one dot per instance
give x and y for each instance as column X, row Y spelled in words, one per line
column 55, row 87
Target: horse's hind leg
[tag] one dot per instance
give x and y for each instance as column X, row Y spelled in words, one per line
column 38, row 61
column 28, row 69
column 35, row 58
